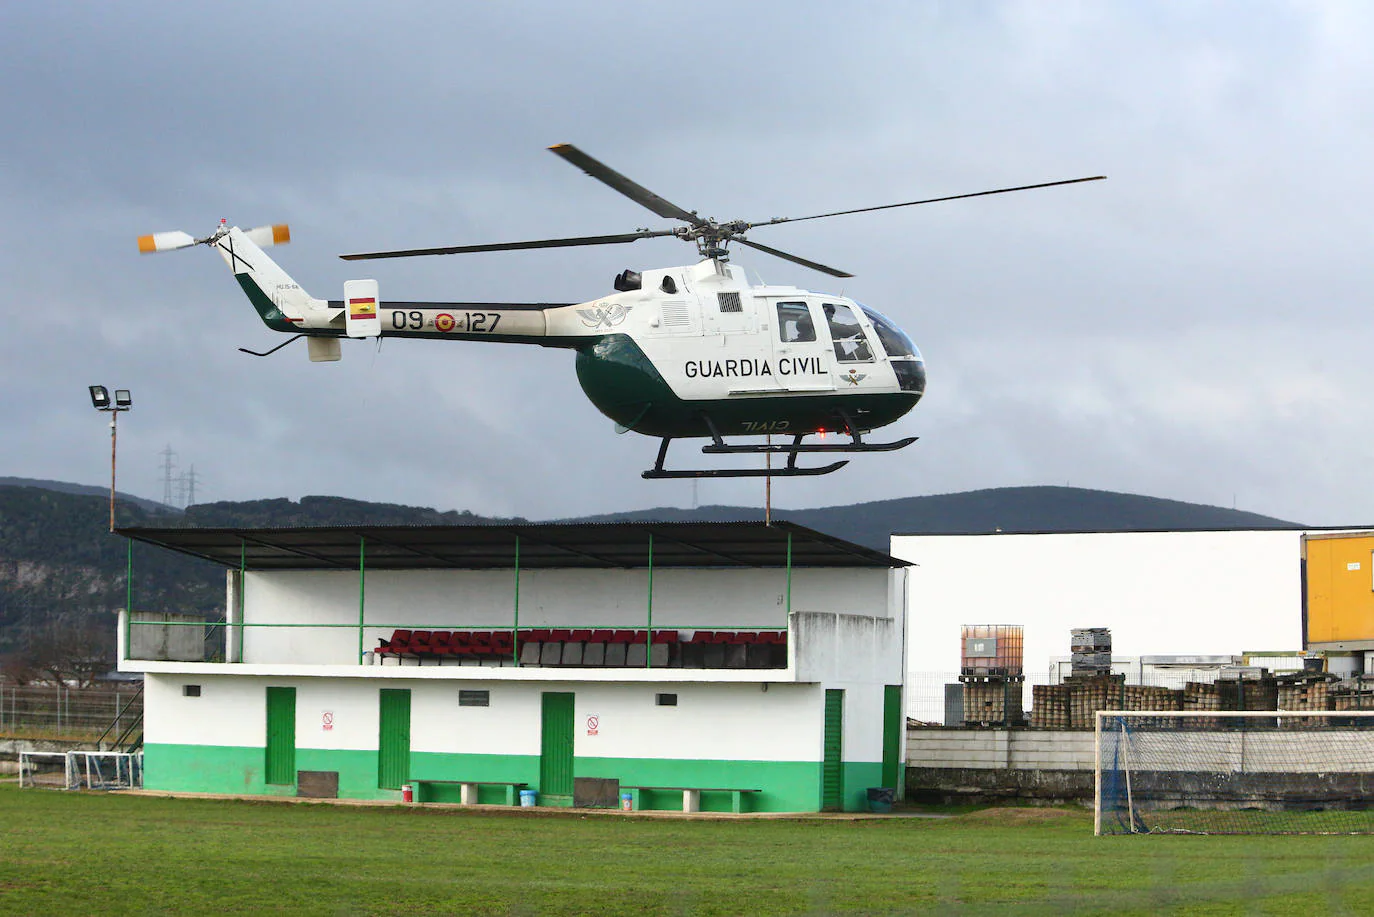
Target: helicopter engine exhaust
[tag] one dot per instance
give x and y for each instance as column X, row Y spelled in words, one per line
column 628, row 281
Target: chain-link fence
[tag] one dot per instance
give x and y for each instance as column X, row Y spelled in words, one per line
column 56, row 711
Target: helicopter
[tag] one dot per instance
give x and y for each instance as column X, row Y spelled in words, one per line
column 685, row 352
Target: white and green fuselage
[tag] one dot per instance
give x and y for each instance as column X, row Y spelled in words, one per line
column 690, row 342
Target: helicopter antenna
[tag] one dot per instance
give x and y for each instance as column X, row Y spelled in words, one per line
column 712, row 238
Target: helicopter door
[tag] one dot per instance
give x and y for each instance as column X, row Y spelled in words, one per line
column 727, row 312
column 853, row 353
column 799, row 355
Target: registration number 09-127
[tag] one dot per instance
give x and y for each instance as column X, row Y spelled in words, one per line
column 472, row 322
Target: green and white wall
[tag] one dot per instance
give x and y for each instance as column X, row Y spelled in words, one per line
column 766, row 736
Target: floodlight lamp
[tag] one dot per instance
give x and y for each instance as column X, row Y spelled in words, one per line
column 100, row 398
column 123, row 399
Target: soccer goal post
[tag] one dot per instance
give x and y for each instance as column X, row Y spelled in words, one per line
column 1212, row 772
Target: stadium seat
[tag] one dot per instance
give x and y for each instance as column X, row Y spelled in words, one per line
column 400, row 639
column 480, row 645
column 692, row 653
column 615, row 652
column 574, row 648
column 594, row 652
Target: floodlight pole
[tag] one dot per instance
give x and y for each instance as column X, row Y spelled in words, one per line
column 114, row 439
column 101, row 401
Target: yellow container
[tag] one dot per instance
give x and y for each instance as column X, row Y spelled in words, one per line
column 1338, row 593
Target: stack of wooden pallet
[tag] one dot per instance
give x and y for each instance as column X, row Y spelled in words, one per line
column 1352, row 694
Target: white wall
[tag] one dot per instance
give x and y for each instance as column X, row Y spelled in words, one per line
column 783, row 723
column 697, row 599
column 722, row 722
column 1161, row 593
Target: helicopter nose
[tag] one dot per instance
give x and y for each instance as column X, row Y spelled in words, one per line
column 911, row 376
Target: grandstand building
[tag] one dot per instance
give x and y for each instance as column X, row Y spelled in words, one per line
column 738, row 666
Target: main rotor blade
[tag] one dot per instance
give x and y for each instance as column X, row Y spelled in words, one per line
column 635, row 192
column 512, row 246
column 930, row 200
column 795, row 259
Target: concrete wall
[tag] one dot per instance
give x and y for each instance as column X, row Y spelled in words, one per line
column 988, row 749
column 167, row 636
column 1161, row 593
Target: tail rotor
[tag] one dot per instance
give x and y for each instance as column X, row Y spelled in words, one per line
column 262, row 236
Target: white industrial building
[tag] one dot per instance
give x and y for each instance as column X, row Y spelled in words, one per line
column 723, row 666
column 1178, row 594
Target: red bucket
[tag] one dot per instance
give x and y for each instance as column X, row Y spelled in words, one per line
column 407, row 793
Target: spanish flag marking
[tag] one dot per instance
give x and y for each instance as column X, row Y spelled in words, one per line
column 362, row 308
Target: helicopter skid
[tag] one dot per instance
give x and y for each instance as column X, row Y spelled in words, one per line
column 795, row 448
column 654, row 474
column 790, row 470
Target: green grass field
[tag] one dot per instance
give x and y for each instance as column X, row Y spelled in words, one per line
column 91, row 853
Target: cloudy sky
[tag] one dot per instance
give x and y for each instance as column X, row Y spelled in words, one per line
column 1197, row 327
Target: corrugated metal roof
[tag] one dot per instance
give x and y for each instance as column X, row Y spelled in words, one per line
column 619, row 545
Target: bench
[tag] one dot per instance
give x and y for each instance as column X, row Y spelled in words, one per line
column 691, row 796
column 468, row 789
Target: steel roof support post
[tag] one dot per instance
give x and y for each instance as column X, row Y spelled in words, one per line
column 362, row 591
column 787, row 624
column 243, row 585
column 515, row 627
column 649, row 646
column 789, row 579
column 128, row 599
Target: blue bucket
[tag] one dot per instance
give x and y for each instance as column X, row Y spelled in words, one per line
column 528, row 798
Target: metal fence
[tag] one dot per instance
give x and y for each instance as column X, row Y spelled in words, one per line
column 56, row 711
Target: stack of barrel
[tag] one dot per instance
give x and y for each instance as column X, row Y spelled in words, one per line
column 1305, row 690
column 991, row 669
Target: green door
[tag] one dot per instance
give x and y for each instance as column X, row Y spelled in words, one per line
column 393, row 739
column 894, row 726
column 281, row 736
column 556, row 748
column 832, row 762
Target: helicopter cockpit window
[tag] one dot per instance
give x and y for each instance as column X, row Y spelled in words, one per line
column 894, row 339
column 794, row 323
column 851, row 346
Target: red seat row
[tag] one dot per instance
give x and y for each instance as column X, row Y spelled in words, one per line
column 501, row 643
column 736, row 637
column 490, row 644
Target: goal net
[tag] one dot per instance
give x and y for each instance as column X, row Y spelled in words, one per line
column 1270, row 772
column 104, row 770
column 81, row 770
column 44, row 768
